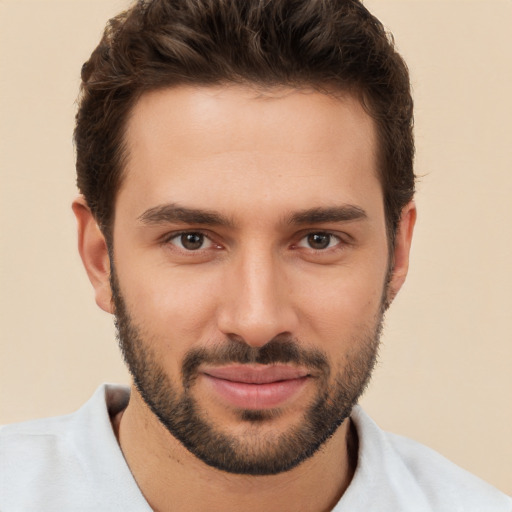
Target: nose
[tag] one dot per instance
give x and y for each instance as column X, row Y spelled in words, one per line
column 257, row 300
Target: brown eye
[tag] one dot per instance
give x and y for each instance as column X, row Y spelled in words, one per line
column 192, row 241
column 319, row 241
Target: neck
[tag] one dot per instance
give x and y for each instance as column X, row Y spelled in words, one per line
column 171, row 478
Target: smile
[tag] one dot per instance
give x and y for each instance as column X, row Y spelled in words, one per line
column 259, row 387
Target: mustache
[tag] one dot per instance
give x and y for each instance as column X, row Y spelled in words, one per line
column 282, row 349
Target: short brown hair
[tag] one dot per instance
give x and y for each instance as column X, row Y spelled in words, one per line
column 325, row 44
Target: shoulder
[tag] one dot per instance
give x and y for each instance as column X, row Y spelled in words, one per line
column 443, row 482
column 70, row 462
column 402, row 474
column 53, row 437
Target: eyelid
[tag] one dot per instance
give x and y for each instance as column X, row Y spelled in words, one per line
column 302, row 243
column 169, row 237
column 343, row 239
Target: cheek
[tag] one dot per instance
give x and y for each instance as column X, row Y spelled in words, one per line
column 172, row 306
column 343, row 305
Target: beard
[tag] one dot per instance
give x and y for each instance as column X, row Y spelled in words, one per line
column 257, row 451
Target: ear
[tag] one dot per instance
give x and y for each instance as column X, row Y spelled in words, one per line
column 94, row 253
column 401, row 250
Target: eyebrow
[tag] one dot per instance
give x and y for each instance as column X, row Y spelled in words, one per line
column 343, row 213
column 168, row 213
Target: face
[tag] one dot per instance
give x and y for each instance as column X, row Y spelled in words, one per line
column 250, row 268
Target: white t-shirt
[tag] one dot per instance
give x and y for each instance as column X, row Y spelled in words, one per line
column 73, row 463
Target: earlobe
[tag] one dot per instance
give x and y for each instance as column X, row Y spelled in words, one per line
column 93, row 250
column 403, row 240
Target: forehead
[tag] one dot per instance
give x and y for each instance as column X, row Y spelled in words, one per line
column 282, row 144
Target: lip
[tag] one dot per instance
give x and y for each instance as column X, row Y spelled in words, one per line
column 256, row 387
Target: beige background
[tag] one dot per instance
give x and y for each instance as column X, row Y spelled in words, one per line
column 445, row 374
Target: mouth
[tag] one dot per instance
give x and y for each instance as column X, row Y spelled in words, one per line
column 258, row 386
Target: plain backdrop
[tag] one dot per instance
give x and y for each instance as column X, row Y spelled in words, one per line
column 444, row 376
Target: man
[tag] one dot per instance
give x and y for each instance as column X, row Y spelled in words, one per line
column 246, row 213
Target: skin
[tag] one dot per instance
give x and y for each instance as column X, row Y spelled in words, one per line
column 256, row 159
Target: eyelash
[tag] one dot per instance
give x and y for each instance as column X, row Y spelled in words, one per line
column 167, row 240
column 331, row 236
column 177, row 235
